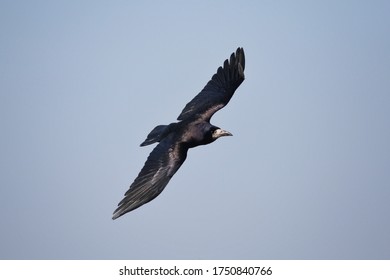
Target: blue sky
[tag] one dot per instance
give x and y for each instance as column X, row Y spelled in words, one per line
column 306, row 175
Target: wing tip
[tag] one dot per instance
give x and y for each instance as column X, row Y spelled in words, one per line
column 123, row 209
column 114, row 217
column 240, row 58
column 118, row 212
column 230, row 74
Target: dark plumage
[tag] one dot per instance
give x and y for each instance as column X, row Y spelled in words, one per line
column 193, row 129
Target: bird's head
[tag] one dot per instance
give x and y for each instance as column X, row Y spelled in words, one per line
column 217, row 132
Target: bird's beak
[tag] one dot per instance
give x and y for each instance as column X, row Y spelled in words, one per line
column 220, row 132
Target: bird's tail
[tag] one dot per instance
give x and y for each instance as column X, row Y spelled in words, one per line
column 155, row 135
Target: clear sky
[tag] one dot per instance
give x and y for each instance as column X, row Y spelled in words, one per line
column 305, row 176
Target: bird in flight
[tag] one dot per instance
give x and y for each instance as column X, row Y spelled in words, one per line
column 193, row 129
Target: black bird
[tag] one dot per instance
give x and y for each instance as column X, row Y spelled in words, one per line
column 193, row 129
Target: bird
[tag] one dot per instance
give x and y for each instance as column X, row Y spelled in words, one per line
column 192, row 129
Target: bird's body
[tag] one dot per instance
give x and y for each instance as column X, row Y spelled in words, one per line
column 193, row 129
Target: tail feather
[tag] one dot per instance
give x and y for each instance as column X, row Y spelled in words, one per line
column 155, row 135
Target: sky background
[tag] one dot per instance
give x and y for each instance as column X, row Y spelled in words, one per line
column 306, row 175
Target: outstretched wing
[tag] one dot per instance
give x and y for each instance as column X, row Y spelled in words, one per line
column 218, row 91
column 161, row 165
